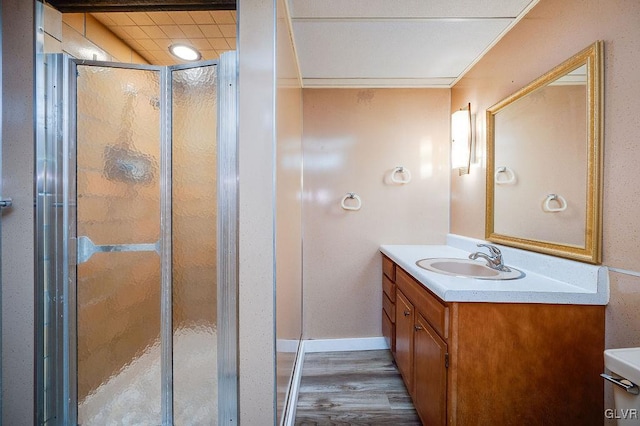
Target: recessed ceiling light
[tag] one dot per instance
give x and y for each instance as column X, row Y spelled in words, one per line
column 184, row 52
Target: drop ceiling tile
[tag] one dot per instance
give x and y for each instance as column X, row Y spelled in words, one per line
column 191, row 31
column 149, row 44
column 348, row 49
column 408, row 8
column 153, row 31
column 135, row 45
column 120, row 32
column 209, row 54
column 182, row 18
column 223, row 17
column 105, row 18
column 161, row 18
column 228, row 30
column 219, row 43
column 232, row 43
column 164, row 44
column 200, row 43
column 140, row 18
column 210, row 31
column 131, row 32
column 202, row 17
column 121, row 18
column 172, row 31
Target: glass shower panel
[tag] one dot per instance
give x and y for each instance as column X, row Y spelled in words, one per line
column 118, row 226
column 194, row 201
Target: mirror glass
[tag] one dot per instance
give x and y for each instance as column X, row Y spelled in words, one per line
column 544, row 162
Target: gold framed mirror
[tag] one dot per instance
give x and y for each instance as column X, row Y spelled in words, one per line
column 544, row 162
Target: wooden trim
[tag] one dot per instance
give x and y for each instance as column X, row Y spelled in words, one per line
column 76, row 6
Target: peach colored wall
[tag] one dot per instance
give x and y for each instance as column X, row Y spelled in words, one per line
column 549, row 34
column 352, row 140
column 288, row 205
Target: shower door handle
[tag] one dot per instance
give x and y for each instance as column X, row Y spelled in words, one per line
column 86, row 248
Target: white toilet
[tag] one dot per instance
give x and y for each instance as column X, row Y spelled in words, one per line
column 624, row 365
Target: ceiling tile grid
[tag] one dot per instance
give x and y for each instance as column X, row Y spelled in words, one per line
column 400, row 43
column 151, row 33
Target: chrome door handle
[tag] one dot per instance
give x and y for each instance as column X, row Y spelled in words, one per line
column 623, row 383
column 86, row 248
column 5, row 203
column 406, row 313
column 417, row 327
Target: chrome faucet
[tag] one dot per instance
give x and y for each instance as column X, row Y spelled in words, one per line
column 494, row 258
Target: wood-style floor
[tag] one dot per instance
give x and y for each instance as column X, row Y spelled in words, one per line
column 353, row 388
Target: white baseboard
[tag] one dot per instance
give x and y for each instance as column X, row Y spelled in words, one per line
column 289, row 417
column 335, row 345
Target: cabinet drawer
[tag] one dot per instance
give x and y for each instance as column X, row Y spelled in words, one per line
column 389, row 307
column 432, row 309
column 389, row 288
column 389, row 268
column 389, row 331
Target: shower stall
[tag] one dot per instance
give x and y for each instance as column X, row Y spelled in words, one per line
column 136, row 241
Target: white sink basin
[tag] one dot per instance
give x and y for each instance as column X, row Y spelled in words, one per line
column 467, row 268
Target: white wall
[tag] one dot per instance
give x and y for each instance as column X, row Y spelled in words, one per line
column 17, row 223
column 256, row 111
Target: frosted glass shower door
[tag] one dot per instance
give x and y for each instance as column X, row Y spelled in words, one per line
column 147, row 217
column 119, row 291
column 137, row 224
column 194, row 260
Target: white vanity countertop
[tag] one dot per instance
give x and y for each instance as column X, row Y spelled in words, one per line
column 577, row 283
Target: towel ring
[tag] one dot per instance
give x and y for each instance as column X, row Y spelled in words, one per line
column 351, row 196
column 560, row 199
column 510, row 175
column 401, row 170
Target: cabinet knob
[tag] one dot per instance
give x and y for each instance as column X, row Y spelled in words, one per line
column 407, row 313
column 417, row 327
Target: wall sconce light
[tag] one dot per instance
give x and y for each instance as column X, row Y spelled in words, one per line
column 461, row 140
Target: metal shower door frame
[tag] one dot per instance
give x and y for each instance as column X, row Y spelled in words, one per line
column 58, row 256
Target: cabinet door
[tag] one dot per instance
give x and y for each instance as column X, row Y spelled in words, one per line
column 404, row 338
column 430, row 386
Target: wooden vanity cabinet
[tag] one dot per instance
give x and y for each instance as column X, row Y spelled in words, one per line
column 498, row 363
column 430, row 384
column 389, row 302
column 405, row 319
column 421, row 330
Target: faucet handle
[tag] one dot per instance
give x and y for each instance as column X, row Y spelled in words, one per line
column 495, row 251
